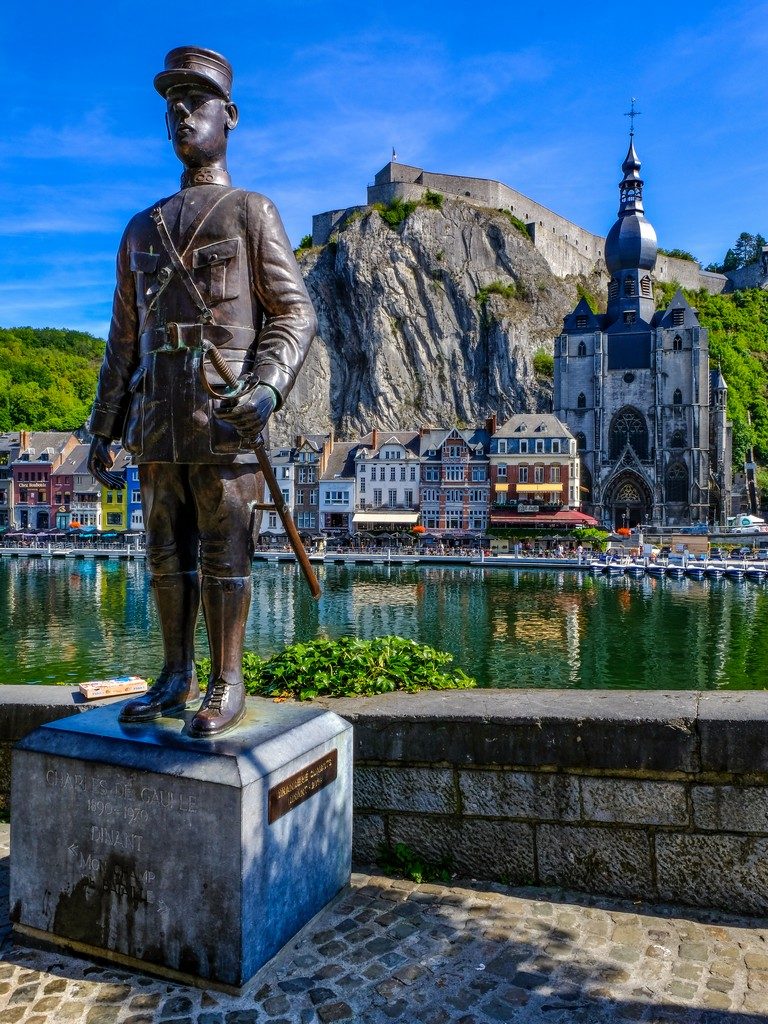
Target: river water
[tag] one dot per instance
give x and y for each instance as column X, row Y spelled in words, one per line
column 64, row 620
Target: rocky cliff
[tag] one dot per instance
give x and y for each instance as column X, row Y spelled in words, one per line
column 434, row 320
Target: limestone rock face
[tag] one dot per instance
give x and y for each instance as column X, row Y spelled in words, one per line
column 433, row 322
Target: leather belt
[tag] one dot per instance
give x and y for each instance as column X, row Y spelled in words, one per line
column 175, row 337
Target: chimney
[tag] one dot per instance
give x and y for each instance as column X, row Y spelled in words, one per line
column 24, row 439
column 490, row 424
column 298, row 441
column 374, row 438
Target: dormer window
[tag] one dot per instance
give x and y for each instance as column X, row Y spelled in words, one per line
column 582, row 349
column 678, row 317
column 677, row 343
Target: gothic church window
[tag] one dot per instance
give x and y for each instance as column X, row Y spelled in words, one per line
column 581, row 401
column 677, row 482
column 677, row 440
column 677, row 397
column 581, row 441
column 582, row 349
column 677, row 343
column 628, row 427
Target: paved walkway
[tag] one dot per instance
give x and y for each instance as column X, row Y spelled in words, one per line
column 389, row 950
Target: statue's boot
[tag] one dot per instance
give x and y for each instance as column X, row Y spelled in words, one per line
column 177, row 596
column 225, row 605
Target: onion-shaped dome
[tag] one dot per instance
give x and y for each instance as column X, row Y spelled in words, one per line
column 631, row 242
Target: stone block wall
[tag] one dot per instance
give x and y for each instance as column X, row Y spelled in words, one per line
column 658, row 796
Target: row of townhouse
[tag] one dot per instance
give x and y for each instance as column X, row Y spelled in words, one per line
column 450, row 481
column 45, row 485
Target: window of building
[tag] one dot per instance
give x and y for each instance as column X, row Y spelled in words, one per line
column 306, row 520
column 135, row 497
column 376, row 496
column 477, row 495
column 677, row 482
column 313, row 497
column 677, row 440
column 307, row 475
column 628, row 427
column 581, row 401
column 453, row 495
column 393, row 473
column 453, row 520
column 555, row 447
column 677, row 397
column 538, row 474
column 629, row 286
column 522, row 475
column 392, row 497
column 454, row 451
column 431, row 494
column 539, row 445
column 412, row 475
column 646, row 287
column 373, row 473
column 582, row 348
column 114, row 518
column 502, row 446
column 431, row 520
column 581, row 441
column 629, row 316
column 272, row 521
column 677, row 343
column 362, row 486
column 501, row 471
column 432, row 473
column 408, row 498
column 678, row 317
column 402, row 472
column 478, row 474
column 554, row 474
column 454, row 473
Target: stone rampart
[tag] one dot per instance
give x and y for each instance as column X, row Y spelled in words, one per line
column 652, row 795
column 568, row 248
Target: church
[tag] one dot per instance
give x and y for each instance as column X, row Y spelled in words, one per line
column 635, row 387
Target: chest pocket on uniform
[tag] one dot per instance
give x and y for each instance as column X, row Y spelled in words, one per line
column 217, row 268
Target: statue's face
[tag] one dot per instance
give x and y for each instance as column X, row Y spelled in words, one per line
column 198, row 123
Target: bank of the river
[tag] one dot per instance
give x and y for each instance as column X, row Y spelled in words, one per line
column 70, row 620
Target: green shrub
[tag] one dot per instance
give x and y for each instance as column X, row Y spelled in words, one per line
column 306, row 242
column 544, row 363
column 394, row 213
column 584, row 293
column 402, row 861
column 521, row 226
column 434, row 199
column 349, row 667
column 506, row 291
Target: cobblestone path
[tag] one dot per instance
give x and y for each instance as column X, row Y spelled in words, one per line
column 389, row 950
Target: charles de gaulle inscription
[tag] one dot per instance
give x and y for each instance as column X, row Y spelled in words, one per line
column 302, row 785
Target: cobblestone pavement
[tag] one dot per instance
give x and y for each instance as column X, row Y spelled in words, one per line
column 389, row 950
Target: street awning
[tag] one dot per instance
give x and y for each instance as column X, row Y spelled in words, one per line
column 539, row 488
column 502, row 487
column 401, row 518
column 565, row 517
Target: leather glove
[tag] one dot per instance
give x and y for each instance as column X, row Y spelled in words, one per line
column 250, row 412
column 100, row 461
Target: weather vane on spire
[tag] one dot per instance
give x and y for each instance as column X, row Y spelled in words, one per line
column 632, row 114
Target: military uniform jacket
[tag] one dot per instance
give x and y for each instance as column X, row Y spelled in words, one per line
column 233, row 245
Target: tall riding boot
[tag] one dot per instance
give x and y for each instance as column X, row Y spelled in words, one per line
column 177, row 596
column 225, row 604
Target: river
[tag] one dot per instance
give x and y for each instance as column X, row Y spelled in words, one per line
column 69, row 621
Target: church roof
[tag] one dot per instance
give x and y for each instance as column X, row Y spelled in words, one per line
column 679, row 313
column 631, row 242
column 582, row 320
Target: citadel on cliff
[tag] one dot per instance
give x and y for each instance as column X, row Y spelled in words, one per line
column 633, row 385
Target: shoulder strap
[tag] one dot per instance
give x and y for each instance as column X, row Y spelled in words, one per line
column 186, row 278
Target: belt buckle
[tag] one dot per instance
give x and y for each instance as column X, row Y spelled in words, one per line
column 173, row 338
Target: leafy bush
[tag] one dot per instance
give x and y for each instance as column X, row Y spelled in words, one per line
column 521, row 226
column 434, row 199
column 584, row 293
column 306, row 242
column 506, row 291
column 402, row 861
column 394, row 213
column 544, row 363
column 349, row 667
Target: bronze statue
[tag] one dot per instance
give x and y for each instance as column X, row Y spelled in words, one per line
column 209, row 266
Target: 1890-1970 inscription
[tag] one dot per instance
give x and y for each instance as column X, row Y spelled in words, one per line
column 300, row 786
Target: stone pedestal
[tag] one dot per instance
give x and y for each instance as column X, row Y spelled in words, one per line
column 199, row 859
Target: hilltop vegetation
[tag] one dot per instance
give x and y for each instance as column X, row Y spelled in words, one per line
column 47, row 377
column 738, row 342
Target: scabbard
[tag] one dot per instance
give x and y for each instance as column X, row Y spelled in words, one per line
column 279, row 505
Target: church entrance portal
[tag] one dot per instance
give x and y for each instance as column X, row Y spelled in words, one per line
column 629, row 502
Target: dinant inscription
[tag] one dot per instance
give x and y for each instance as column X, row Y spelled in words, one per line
column 302, row 785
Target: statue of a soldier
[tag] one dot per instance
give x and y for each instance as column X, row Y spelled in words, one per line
column 209, row 265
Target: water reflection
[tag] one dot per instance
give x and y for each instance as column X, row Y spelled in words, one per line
column 88, row 619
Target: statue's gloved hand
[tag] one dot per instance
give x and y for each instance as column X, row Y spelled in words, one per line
column 100, row 461
column 250, row 412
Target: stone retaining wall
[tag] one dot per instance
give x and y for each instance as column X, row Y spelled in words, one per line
column 654, row 795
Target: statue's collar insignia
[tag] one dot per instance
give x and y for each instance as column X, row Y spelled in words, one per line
column 204, row 176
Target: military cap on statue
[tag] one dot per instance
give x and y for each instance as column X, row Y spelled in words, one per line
column 187, row 65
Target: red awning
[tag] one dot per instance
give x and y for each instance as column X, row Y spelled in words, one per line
column 565, row 517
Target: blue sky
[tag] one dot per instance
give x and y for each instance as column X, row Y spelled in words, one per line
column 532, row 94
